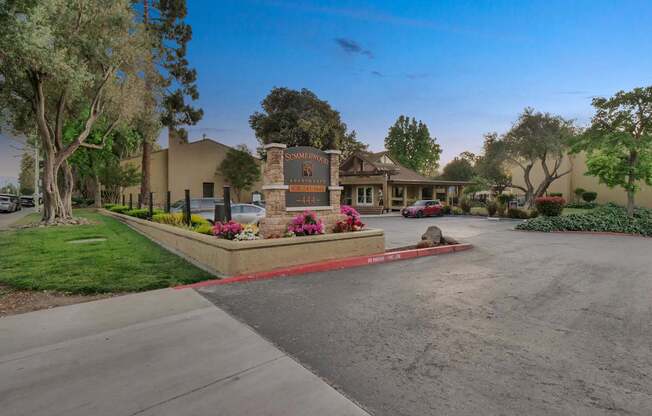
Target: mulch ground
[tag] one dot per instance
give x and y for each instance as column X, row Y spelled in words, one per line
column 15, row 301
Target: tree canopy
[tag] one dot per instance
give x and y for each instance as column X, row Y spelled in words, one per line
column 409, row 142
column 240, row 169
column 461, row 168
column 619, row 141
column 538, row 138
column 61, row 60
column 490, row 165
column 298, row 118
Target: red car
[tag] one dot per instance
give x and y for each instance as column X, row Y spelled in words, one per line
column 424, row 208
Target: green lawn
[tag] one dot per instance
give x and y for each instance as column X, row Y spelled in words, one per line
column 43, row 259
column 569, row 211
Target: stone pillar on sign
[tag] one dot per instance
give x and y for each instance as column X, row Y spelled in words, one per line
column 334, row 190
column 275, row 222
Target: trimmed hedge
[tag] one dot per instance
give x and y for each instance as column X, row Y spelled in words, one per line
column 142, row 213
column 607, row 218
column 550, row 206
column 120, row 209
column 177, row 219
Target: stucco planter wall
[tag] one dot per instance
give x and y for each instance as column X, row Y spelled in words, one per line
column 232, row 258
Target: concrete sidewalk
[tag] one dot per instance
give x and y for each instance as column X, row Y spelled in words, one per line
column 165, row 352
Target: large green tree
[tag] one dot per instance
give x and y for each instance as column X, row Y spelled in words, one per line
column 63, row 60
column 350, row 144
column 298, row 118
column 240, row 169
column 538, row 139
column 461, row 168
column 490, row 166
column 26, row 175
column 410, row 143
column 171, row 82
column 619, row 141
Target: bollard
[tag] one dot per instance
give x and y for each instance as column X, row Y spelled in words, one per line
column 151, row 205
column 167, row 202
column 140, row 201
column 131, row 202
column 123, row 200
column 186, row 208
column 227, row 203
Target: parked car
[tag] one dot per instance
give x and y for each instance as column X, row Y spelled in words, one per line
column 201, row 206
column 247, row 213
column 424, row 208
column 27, row 201
column 9, row 203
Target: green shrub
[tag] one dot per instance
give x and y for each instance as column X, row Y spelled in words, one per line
column 138, row 213
column 582, row 205
column 446, row 210
column 492, row 208
column 109, row 206
column 589, row 196
column 206, row 228
column 504, row 198
column 578, row 193
column 177, row 219
column 559, row 194
column 550, row 206
column 607, row 218
column 518, row 213
column 457, row 211
column 534, row 213
column 465, row 205
column 120, row 209
column 481, row 211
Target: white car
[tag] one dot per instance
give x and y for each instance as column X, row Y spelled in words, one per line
column 247, row 213
column 9, row 203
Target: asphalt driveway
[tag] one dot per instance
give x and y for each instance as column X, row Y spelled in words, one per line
column 524, row 324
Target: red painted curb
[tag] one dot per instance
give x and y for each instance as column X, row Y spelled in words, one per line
column 338, row 264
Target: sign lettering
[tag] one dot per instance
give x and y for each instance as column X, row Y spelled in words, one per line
column 307, row 174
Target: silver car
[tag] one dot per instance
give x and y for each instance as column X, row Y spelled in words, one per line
column 9, row 203
column 247, row 213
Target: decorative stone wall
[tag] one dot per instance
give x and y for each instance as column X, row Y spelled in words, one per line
column 278, row 216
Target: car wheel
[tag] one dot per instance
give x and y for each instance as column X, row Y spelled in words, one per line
column 419, row 214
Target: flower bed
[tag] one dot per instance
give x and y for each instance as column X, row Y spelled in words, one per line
column 608, row 218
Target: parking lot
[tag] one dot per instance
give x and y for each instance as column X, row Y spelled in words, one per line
column 523, row 324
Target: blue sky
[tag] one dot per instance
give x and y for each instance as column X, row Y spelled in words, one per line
column 463, row 67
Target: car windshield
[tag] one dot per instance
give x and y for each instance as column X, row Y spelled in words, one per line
column 420, row 203
column 4, row 198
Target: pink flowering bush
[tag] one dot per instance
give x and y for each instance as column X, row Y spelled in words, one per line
column 306, row 223
column 352, row 222
column 227, row 230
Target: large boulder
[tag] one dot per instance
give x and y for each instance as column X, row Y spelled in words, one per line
column 434, row 234
column 447, row 239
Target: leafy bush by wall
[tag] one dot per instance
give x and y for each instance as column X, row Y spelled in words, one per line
column 550, row 206
column 589, row 196
column 120, row 209
column 607, row 218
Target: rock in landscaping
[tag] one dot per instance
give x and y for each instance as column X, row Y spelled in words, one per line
column 425, row 244
column 449, row 240
column 433, row 233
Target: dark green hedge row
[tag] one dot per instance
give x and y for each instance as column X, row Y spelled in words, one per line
column 607, row 218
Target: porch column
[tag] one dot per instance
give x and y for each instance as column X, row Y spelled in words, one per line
column 405, row 190
column 386, row 199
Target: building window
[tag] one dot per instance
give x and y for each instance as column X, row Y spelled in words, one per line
column 365, row 195
column 397, row 192
column 426, row 193
column 208, row 189
column 348, row 195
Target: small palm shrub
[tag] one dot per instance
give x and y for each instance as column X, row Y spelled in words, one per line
column 550, row 206
column 457, row 211
column 465, row 205
column 589, row 196
column 492, row 208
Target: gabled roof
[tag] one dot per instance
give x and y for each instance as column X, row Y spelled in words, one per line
column 396, row 171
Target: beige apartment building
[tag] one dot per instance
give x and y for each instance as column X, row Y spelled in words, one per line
column 184, row 166
column 567, row 184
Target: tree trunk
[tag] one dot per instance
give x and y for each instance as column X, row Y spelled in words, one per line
column 145, row 171
column 65, row 192
column 52, row 206
column 98, row 193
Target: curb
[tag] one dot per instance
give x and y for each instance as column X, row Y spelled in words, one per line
column 338, row 264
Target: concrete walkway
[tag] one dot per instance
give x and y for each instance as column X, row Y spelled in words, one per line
column 165, row 352
column 8, row 219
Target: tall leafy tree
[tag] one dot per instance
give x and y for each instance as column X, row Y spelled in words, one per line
column 619, row 141
column 460, row 168
column 297, row 118
column 350, row 144
column 63, row 60
column 538, row 139
column 26, row 175
column 490, row 166
column 171, row 82
column 410, row 143
column 240, row 169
